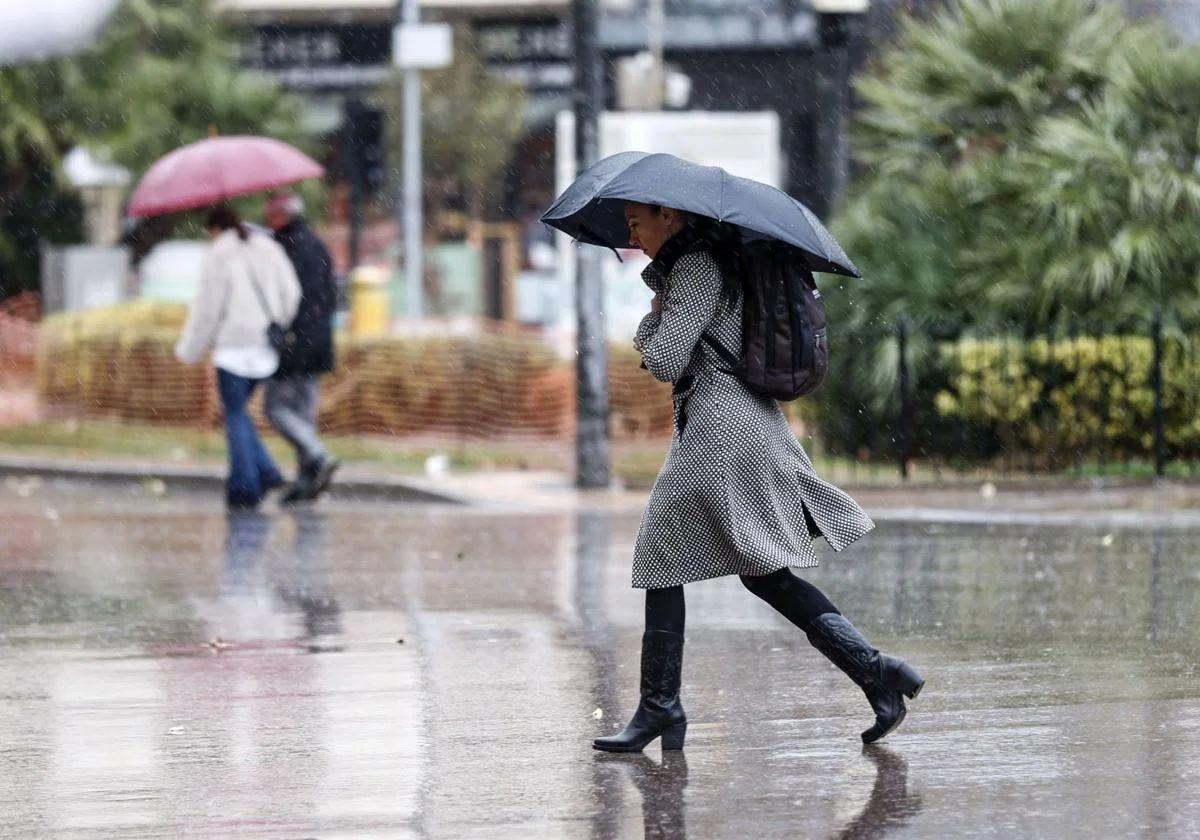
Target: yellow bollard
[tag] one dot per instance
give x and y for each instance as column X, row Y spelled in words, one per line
column 368, row 301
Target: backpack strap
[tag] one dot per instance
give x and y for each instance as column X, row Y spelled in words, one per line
column 720, row 350
column 262, row 299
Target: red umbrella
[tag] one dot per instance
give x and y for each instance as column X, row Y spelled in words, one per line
column 219, row 168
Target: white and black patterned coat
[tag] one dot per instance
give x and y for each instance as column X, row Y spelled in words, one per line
column 734, row 492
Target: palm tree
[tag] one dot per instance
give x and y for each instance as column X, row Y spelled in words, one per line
column 1120, row 200
column 949, row 113
column 935, row 217
column 977, row 78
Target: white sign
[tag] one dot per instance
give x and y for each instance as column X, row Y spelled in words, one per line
column 422, row 46
column 840, row 7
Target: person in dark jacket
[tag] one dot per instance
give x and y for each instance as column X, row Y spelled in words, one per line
column 291, row 395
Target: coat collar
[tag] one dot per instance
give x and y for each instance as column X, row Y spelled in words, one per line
column 292, row 228
column 687, row 241
column 226, row 240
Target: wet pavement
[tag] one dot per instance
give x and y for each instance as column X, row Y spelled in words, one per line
column 382, row 670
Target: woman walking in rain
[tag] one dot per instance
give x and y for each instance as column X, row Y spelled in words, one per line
column 737, row 495
column 247, row 285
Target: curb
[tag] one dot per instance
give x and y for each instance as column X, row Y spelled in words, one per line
column 200, row 478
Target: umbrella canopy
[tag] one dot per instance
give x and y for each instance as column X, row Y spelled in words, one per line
column 217, row 169
column 592, row 209
column 32, row 31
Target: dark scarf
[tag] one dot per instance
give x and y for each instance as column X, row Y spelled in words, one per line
column 691, row 239
column 719, row 240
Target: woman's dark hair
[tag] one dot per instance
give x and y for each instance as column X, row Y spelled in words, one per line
column 724, row 242
column 721, row 239
column 226, row 218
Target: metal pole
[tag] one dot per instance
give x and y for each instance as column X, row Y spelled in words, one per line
column 656, row 25
column 832, row 80
column 905, row 408
column 592, row 463
column 1160, row 447
column 413, row 212
column 352, row 165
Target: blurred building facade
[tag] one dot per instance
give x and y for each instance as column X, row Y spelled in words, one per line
column 789, row 56
column 794, row 58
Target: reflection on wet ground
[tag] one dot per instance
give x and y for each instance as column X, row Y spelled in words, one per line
column 372, row 670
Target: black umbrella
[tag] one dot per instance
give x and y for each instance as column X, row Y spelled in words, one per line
column 592, row 209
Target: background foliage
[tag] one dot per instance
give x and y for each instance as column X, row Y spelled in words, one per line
column 470, row 122
column 161, row 75
column 1028, row 162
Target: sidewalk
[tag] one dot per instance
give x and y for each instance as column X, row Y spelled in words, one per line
column 351, row 482
column 1117, row 503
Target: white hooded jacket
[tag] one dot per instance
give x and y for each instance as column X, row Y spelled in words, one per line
column 228, row 315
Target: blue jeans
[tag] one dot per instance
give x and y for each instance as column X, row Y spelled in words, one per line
column 251, row 471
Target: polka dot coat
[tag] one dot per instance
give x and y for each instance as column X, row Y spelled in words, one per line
column 737, row 495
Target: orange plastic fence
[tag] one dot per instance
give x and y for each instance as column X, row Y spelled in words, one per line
column 500, row 382
column 18, row 343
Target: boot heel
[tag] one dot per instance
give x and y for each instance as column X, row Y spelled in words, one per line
column 672, row 739
column 908, row 681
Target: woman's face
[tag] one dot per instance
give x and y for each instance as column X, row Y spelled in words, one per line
column 648, row 230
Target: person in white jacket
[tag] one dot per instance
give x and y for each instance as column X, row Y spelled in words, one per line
column 247, row 284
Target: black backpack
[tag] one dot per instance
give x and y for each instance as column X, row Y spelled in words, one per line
column 785, row 349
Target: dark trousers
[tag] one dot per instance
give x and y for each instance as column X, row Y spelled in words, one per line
column 291, row 406
column 794, row 598
column 251, row 470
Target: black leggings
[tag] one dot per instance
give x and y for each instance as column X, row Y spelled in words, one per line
column 796, row 599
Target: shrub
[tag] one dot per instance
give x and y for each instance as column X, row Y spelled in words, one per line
column 1070, row 398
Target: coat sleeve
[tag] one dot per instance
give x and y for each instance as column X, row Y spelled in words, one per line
column 327, row 289
column 653, row 282
column 646, row 328
column 689, row 301
column 205, row 312
column 289, row 284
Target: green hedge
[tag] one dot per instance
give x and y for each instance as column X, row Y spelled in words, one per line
column 1066, row 400
column 1073, row 397
column 1049, row 402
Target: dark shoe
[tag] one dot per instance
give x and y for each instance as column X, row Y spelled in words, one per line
column 300, row 491
column 314, row 479
column 660, row 713
column 884, row 679
column 237, row 505
column 324, row 471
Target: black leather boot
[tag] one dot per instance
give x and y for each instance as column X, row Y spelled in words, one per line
column 660, row 712
column 885, row 679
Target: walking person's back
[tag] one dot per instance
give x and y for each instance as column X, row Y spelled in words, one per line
column 246, row 285
column 292, row 393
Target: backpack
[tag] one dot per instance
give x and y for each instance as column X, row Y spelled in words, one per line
column 785, row 348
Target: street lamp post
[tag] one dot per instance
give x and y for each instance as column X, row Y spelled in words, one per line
column 592, row 460
column 415, row 47
column 839, row 22
column 413, row 194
